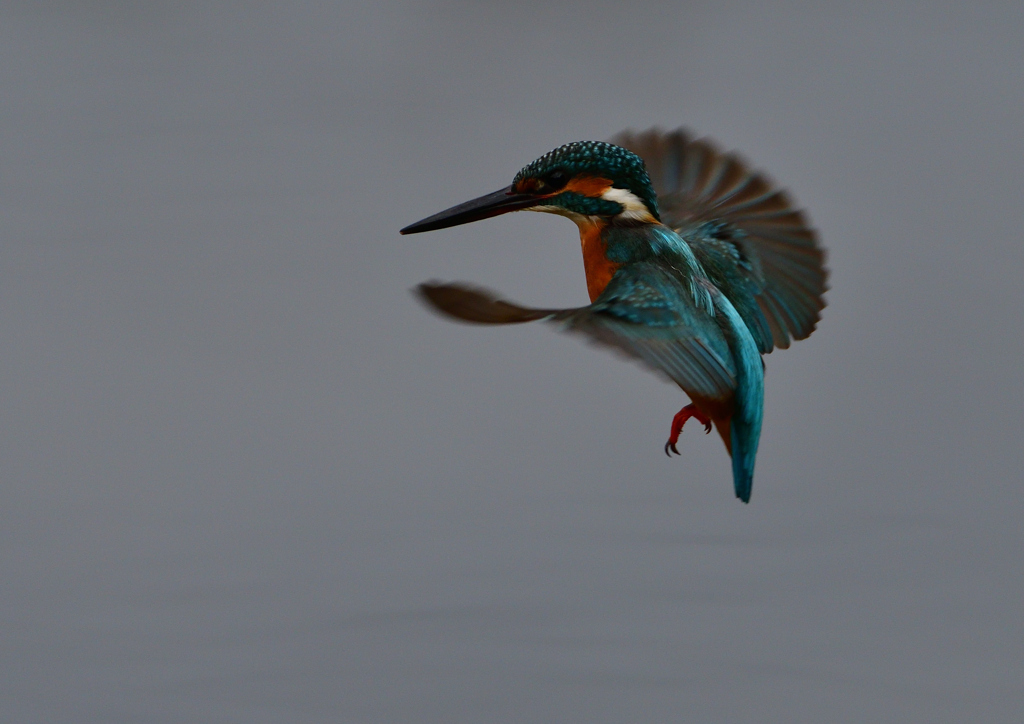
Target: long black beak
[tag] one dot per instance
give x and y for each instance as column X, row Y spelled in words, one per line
column 500, row 202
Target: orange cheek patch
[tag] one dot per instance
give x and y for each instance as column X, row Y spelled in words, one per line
column 592, row 186
column 526, row 186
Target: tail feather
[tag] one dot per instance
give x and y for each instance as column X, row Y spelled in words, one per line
column 744, row 428
column 744, row 452
column 741, row 439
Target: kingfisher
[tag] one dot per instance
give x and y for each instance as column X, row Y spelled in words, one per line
column 696, row 266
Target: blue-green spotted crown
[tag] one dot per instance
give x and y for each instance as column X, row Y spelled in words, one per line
column 623, row 168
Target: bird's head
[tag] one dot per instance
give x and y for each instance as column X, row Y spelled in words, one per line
column 588, row 181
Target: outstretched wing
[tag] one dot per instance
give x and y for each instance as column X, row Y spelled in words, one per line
column 702, row 190
column 644, row 312
column 478, row 306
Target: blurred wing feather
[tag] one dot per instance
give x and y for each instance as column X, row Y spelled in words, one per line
column 478, row 306
column 644, row 313
column 696, row 183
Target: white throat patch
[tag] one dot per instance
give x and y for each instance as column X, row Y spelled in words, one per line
column 578, row 219
column 632, row 207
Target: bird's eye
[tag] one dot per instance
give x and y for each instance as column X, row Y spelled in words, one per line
column 556, row 179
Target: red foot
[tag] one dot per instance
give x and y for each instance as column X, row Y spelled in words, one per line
column 677, row 426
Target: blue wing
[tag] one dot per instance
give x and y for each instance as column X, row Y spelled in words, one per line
column 649, row 313
column 645, row 312
column 755, row 245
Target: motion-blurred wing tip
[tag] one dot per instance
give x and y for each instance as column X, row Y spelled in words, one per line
column 467, row 303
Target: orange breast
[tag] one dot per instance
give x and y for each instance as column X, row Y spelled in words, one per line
column 599, row 270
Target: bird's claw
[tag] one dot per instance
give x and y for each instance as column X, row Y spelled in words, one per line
column 677, row 426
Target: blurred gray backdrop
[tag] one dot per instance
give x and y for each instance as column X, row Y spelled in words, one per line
column 244, row 477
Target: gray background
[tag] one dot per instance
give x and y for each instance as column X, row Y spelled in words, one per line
column 244, row 477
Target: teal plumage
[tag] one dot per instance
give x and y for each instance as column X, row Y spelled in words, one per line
column 696, row 267
column 622, row 167
column 763, row 247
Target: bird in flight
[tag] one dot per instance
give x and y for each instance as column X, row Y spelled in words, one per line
column 696, row 266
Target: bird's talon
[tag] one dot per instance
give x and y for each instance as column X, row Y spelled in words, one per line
column 677, row 426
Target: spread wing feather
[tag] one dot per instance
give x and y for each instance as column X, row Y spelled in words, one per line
column 475, row 305
column 644, row 313
column 776, row 252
